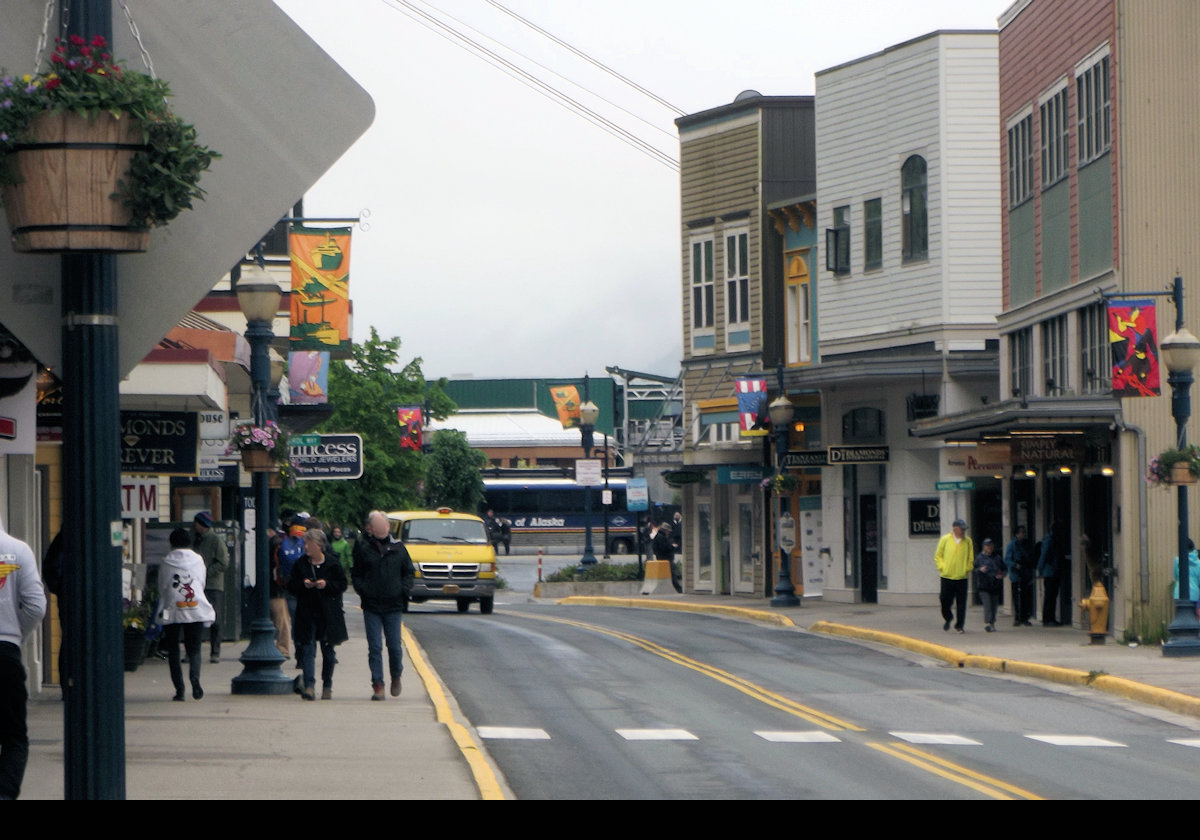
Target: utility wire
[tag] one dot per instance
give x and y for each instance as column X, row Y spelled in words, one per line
column 553, row 94
column 552, row 71
column 589, row 59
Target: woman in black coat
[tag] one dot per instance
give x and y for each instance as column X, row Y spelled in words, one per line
column 318, row 583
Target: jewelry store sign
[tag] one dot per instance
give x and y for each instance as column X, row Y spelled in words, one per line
column 858, row 455
column 159, row 442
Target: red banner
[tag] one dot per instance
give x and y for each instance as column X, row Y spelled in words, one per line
column 1133, row 336
column 412, row 426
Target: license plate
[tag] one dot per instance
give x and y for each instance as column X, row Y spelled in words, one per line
column 450, row 589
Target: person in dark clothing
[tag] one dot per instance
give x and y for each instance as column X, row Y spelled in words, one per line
column 318, row 583
column 1050, row 567
column 383, row 576
column 1021, row 571
column 664, row 549
column 989, row 582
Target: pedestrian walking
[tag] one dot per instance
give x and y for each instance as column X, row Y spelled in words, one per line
column 989, row 582
column 1050, row 568
column 318, row 583
column 212, row 551
column 383, row 576
column 183, row 609
column 955, row 557
column 22, row 605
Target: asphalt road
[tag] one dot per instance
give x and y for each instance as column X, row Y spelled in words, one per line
column 599, row 703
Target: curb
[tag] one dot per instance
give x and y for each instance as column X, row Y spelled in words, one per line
column 1119, row 686
column 745, row 613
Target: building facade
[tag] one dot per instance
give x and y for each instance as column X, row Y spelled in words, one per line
column 908, row 199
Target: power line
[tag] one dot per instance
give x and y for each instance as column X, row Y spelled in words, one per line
column 552, row 71
column 589, row 59
column 490, row 57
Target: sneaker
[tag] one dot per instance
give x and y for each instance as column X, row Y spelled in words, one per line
column 197, row 691
column 946, row 626
column 377, row 688
column 395, row 686
column 178, row 698
column 959, row 630
column 215, row 659
column 327, row 693
column 989, row 628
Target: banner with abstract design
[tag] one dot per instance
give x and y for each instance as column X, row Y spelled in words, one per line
column 1133, row 336
column 566, row 403
column 320, row 298
column 753, row 420
column 308, row 377
column 412, row 426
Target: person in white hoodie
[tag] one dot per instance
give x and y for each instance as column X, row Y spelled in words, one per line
column 22, row 605
column 182, row 607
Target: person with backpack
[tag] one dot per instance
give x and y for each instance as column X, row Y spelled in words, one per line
column 291, row 549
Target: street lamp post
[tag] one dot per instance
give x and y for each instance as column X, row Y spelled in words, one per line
column 588, row 413
column 1181, row 352
column 258, row 297
column 782, row 411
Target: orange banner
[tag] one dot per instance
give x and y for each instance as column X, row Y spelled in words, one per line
column 320, row 299
column 566, row 402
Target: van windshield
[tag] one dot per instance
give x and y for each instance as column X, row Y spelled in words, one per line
column 444, row 530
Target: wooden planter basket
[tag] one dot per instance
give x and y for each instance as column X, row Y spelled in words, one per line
column 258, row 460
column 68, row 176
column 1181, row 474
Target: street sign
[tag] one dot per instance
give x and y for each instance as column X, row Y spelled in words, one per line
column 588, row 472
column 139, row 497
column 787, row 532
column 955, row 485
column 637, row 495
column 331, row 457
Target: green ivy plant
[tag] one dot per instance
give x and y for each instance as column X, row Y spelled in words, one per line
column 83, row 79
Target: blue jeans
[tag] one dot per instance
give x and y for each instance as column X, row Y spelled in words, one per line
column 306, row 652
column 387, row 626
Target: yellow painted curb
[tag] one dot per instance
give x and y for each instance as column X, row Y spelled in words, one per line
column 747, row 613
column 1184, row 704
column 945, row 654
column 485, row 779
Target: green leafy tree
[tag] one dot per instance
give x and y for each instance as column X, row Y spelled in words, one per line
column 452, row 473
column 364, row 392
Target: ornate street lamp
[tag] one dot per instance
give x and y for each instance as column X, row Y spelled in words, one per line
column 588, row 413
column 1181, row 353
column 781, row 411
column 258, row 297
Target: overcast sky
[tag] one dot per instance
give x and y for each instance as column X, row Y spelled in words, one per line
column 509, row 237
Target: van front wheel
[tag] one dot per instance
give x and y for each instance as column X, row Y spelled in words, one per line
column 485, row 605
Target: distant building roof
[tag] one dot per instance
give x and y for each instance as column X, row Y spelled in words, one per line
column 514, row 427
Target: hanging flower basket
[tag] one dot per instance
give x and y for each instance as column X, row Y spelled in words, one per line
column 258, row 460
column 1174, row 467
column 69, row 171
column 91, row 155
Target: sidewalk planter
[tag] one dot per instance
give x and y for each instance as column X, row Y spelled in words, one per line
column 1181, row 473
column 69, row 172
column 258, row 460
column 135, row 648
column 612, row 588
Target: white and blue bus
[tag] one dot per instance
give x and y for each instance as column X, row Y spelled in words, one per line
column 547, row 511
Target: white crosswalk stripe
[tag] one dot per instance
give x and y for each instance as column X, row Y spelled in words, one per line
column 512, row 733
column 785, row 737
column 935, row 738
column 656, row 735
column 1074, row 741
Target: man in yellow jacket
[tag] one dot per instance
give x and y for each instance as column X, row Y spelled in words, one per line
column 955, row 557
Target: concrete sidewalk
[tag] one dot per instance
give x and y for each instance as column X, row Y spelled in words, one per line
column 239, row 747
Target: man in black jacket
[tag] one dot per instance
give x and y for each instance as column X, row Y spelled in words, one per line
column 382, row 575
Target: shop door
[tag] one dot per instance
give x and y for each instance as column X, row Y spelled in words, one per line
column 742, row 542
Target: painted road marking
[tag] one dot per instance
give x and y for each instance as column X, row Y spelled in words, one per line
column 1074, row 741
column 976, row 781
column 785, row 737
column 656, row 735
column 935, row 738
column 512, row 733
column 1185, row 742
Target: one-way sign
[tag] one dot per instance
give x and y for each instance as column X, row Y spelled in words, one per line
column 327, row 457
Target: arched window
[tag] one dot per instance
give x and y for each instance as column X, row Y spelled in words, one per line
column 914, row 209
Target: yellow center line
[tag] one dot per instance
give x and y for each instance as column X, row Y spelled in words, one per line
column 758, row 692
column 980, row 782
column 1020, row 793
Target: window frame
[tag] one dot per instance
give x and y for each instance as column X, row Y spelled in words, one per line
column 1095, row 351
column 1020, row 356
column 1020, row 158
column 837, row 241
column 1055, row 133
column 1056, row 356
column 872, row 234
column 798, row 308
column 701, row 270
column 736, row 278
column 914, row 209
column 1093, row 104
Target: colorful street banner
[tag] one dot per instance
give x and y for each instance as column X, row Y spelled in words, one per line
column 566, row 402
column 18, row 408
column 308, row 377
column 412, row 426
column 753, row 420
column 1133, row 336
column 320, row 298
